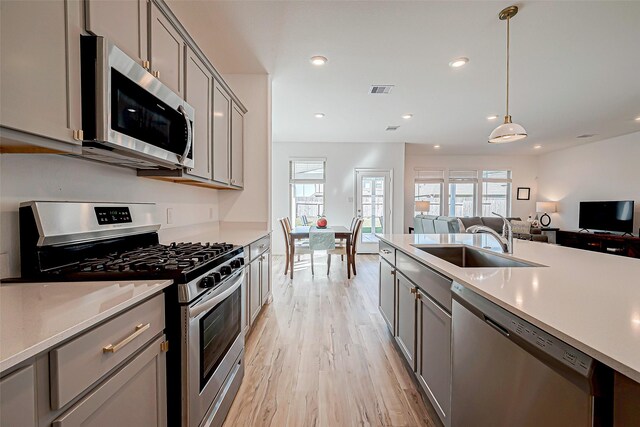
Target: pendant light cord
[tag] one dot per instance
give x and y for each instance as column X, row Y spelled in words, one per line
column 508, row 20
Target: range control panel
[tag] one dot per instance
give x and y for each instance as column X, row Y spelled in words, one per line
column 112, row 215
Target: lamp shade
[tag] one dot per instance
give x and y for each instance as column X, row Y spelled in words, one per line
column 423, row 205
column 507, row 132
column 546, row 207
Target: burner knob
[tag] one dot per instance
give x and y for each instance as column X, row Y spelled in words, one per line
column 207, row 282
column 241, row 260
column 235, row 264
column 216, row 277
column 225, row 270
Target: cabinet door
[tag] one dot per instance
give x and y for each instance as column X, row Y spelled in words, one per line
column 237, row 142
column 134, row 396
column 434, row 354
column 387, row 294
column 406, row 309
column 125, row 23
column 265, row 277
column 40, row 67
column 18, row 403
column 254, row 290
column 166, row 51
column 198, row 92
column 221, row 141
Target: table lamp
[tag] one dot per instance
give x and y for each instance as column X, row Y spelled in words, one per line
column 422, row 206
column 546, row 208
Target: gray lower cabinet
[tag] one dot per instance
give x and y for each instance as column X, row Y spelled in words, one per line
column 255, row 303
column 265, row 276
column 133, row 396
column 387, row 294
column 434, row 354
column 406, row 317
column 18, row 398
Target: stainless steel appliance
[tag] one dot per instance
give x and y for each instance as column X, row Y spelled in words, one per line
column 128, row 116
column 69, row 241
column 507, row 372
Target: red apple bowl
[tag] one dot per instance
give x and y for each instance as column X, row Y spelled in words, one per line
column 321, row 223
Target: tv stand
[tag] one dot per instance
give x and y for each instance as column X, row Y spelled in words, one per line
column 607, row 243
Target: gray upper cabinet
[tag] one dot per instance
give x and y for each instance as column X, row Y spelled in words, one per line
column 198, row 93
column 406, row 326
column 18, row 402
column 221, row 134
column 40, row 68
column 237, row 147
column 166, row 51
column 125, row 23
column 386, row 294
column 434, row 354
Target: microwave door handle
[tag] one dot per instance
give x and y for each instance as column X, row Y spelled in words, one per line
column 187, row 121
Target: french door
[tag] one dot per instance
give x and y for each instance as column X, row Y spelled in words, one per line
column 373, row 204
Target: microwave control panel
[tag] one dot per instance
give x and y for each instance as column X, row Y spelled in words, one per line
column 112, row 215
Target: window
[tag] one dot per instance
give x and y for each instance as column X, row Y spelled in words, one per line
column 496, row 192
column 462, row 193
column 306, row 179
column 428, row 186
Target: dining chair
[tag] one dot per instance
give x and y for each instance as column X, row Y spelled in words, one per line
column 355, row 237
column 301, row 247
column 342, row 248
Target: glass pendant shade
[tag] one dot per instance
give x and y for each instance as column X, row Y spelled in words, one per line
column 507, row 132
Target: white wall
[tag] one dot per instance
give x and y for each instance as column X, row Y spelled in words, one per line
column 253, row 203
column 604, row 170
column 25, row 177
column 342, row 160
column 523, row 168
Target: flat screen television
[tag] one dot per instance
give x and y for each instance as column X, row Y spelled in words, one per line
column 607, row 216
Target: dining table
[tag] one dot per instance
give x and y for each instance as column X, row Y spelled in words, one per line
column 301, row 232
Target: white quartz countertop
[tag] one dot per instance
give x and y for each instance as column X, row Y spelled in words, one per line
column 241, row 237
column 589, row 300
column 35, row 317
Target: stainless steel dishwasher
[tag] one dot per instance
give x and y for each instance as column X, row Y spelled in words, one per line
column 507, row 372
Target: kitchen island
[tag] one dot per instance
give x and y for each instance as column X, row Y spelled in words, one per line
column 590, row 301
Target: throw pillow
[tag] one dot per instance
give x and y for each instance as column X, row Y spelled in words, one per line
column 521, row 227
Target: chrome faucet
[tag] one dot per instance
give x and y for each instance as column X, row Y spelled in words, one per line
column 507, row 247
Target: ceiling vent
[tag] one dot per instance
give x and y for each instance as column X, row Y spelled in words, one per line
column 586, row 135
column 380, row 89
column 392, row 127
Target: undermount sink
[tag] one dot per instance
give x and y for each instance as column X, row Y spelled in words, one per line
column 466, row 257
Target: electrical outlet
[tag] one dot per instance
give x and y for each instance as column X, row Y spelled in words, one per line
column 169, row 215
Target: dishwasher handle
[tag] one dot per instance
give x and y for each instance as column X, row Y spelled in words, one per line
column 497, row 327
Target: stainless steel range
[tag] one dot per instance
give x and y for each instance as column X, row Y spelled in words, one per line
column 72, row 241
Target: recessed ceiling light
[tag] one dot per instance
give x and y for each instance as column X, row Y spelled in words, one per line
column 436, row 147
column 637, row 119
column 407, row 116
column 458, row 62
column 318, row 60
column 492, row 117
column 318, row 115
column 537, row 147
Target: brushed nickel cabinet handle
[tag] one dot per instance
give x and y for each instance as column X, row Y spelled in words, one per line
column 139, row 331
column 385, row 251
column 393, row 272
column 414, row 290
column 146, row 65
column 156, row 74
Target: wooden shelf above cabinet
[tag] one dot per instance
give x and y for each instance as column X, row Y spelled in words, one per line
column 180, row 177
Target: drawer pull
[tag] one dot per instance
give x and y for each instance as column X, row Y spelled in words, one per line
column 385, row 251
column 139, row 331
column 262, row 245
column 414, row 290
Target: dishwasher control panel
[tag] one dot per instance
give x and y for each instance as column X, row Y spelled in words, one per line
column 511, row 325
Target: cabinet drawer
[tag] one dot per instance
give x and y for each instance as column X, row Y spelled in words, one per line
column 77, row 365
column 434, row 284
column 387, row 252
column 258, row 247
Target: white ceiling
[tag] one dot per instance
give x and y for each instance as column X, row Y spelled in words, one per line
column 575, row 68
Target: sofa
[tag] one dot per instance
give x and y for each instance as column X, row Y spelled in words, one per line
column 496, row 223
column 434, row 224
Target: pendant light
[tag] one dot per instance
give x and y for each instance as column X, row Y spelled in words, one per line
column 508, row 131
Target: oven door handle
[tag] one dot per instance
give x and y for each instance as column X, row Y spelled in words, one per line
column 210, row 303
column 187, row 121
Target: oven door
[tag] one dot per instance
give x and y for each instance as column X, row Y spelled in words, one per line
column 215, row 340
column 128, row 110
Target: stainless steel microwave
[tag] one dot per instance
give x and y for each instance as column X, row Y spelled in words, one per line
column 129, row 117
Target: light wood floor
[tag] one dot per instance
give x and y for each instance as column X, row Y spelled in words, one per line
column 321, row 355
